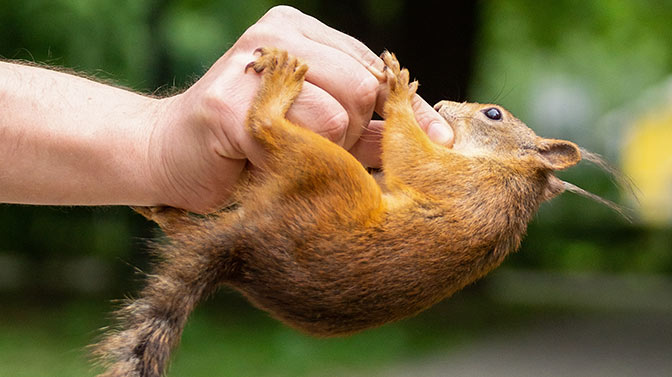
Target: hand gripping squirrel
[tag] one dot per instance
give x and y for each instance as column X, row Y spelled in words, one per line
column 328, row 249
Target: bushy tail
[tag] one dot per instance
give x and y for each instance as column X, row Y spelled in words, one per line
column 150, row 327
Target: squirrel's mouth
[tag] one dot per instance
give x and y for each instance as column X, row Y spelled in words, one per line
column 443, row 108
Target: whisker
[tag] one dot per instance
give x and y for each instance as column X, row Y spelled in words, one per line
column 616, row 176
column 615, row 207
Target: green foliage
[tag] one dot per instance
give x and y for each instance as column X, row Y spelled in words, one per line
column 615, row 48
column 143, row 44
column 73, row 34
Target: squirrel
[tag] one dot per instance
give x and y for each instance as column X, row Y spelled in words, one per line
column 330, row 250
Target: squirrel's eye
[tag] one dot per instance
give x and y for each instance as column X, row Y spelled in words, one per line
column 493, row 113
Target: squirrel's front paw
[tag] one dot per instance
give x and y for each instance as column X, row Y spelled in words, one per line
column 278, row 63
column 282, row 79
column 397, row 77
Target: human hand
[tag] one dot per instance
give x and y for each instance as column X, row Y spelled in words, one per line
column 199, row 145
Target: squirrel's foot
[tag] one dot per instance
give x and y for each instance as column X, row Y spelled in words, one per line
column 397, row 80
column 282, row 79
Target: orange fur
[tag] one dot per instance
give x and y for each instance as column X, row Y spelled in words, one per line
column 320, row 245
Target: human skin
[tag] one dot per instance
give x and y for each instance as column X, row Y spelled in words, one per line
column 67, row 140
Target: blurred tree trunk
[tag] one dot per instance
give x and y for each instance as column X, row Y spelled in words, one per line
column 435, row 40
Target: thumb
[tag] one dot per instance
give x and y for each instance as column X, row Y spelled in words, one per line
column 432, row 123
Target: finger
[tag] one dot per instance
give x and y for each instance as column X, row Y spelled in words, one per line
column 347, row 44
column 313, row 109
column 313, row 29
column 337, row 72
column 368, row 148
column 318, row 111
column 432, row 122
column 434, row 125
column 345, row 79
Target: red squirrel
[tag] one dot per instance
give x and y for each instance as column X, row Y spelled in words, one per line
column 325, row 247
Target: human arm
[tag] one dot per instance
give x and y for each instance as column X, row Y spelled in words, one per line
column 68, row 140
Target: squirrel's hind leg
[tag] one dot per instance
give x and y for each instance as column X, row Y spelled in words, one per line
column 171, row 220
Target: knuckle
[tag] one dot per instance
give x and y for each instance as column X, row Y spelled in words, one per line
column 335, row 127
column 258, row 33
column 266, row 31
column 366, row 94
column 282, row 12
column 368, row 57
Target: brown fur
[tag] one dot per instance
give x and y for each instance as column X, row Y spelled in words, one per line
column 320, row 245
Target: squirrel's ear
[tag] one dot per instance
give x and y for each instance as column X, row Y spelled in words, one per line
column 559, row 154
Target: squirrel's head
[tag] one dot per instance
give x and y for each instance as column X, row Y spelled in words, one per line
column 490, row 130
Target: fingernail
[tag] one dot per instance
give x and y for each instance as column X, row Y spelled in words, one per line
column 440, row 133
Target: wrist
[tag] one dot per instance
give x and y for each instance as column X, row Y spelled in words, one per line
column 196, row 148
column 162, row 118
column 119, row 150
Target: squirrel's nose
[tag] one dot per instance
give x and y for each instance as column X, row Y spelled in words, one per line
column 452, row 105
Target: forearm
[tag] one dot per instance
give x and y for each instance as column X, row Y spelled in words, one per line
column 65, row 140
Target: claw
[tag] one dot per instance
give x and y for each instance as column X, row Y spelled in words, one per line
column 260, row 51
column 251, row 65
column 413, row 87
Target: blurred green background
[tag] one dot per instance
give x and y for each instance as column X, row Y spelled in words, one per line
column 588, row 293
